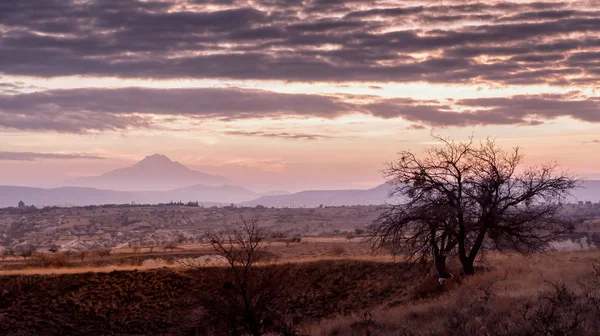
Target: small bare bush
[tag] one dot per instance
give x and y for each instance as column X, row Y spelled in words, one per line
column 47, row 261
column 8, row 252
column 249, row 295
column 170, row 246
column 82, row 254
column 27, row 251
column 103, row 253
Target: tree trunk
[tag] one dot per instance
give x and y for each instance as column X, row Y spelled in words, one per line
column 468, row 268
column 440, row 265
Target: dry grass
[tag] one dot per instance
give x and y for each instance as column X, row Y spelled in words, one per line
column 76, row 270
column 182, row 264
column 498, row 293
column 126, row 258
column 351, row 294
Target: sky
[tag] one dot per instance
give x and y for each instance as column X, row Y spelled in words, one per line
column 296, row 94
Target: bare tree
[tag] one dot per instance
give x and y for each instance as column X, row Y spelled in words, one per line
column 103, row 253
column 464, row 194
column 82, row 254
column 28, row 251
column 419, row 230
column 170, row 246
column 8, row 252
column 248, row 296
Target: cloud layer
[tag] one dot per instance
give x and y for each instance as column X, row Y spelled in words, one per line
column 83, row 110
column 311, row 40
column 30, row 156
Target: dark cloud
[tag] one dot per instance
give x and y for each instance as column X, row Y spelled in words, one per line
column 515, row 110
column 311, row 40
column 83, row 110
column 280, row 135
column 30, row 156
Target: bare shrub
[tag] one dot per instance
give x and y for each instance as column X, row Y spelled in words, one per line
column 27, row 251
column 170, row 246
column 82, row 254
column 103, row 253
column 46, row 260
column 8, row 252
column 295, row 240
column 249, row 295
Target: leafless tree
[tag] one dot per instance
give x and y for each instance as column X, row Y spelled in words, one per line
column 103, row 253
column 8, row 252
column 248, row 295
column 464, row 196
column 82, row 254
column 27, row 251
column 170, row 246
column 68, row 254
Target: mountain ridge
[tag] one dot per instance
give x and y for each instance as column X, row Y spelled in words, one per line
column 81, row 196
column 225, row 194
column 152, row 173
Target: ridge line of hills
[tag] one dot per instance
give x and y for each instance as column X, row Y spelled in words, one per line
column 158, row 179
column 209, row 195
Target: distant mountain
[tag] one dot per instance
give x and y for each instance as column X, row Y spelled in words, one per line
column 10, row 196
column 211, row 195
column 155, row 172
column 314, row 198
column 80, row 196
column 589, row 191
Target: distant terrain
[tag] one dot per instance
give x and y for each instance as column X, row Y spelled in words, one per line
column 116, row 226
column 225, row 195
column 80, row 196
column 315, row 198
column 93, row 227
column 157, row 179
column 155, row 172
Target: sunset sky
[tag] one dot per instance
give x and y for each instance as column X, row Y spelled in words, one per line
column 292, row 94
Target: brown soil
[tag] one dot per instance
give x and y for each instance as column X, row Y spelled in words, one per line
column 167, row 301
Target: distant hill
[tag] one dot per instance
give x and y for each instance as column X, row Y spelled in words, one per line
column 314, row 198
column 589, row 191
column 10, row 196
column 79, row 196
column 155, row 172
column 211, row 195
